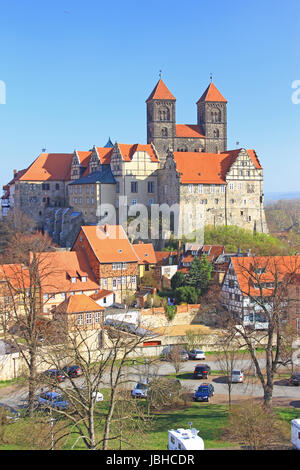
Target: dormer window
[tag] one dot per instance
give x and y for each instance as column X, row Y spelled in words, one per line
column 83, row 279
column 73, row 280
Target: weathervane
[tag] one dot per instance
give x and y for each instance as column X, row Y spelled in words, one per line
column 211, row 76
column 160, row 74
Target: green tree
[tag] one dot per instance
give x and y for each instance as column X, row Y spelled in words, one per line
column 200, row 274
column 187, row 294
column 178, row 280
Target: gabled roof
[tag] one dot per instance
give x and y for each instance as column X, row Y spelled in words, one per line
column 58, row 267
column 161, row 92
column 109, row 243
column 276, row 269
column 49, row 166
column 208, row 168
column 101, row 294
column 212, row 94
column 104, row 154
column 78, row 303
column 189, row 130
column 145, row 253
column 128, row 150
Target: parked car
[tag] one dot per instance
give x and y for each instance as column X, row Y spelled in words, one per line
column 237, row 376
column 53, row 400
column 140, row 390
column 167, row 352
column 295, row 379
column 201, row 371
column 96, row 394
column 72, row 371
column 197, row 354
column 9, row 413
column 55, row 375
column 204, row 392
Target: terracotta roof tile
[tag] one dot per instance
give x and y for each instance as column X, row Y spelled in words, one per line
column 49, row 166
column 128, row 150
column 161, row 92
column 79, row 303
column 145, row 253
column 208, row 168
column 189, row 130
column 212, row 94
column 109, row 243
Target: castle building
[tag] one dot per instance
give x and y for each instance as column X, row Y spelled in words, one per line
column 180, row 164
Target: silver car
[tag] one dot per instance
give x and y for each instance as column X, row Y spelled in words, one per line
column 197, row 354
column 237, row 376
column 140, row 390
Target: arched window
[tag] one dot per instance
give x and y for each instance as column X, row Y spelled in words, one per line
column 164, row 114
column 164, row 132
column 216, row 133
column 216, row 115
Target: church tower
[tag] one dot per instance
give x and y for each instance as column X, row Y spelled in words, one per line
column 161, row 129
column 212, row 119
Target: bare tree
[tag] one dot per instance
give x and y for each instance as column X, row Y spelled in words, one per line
column 104, row 365
column 22, row 283
column 255, row 426
column 264, row 283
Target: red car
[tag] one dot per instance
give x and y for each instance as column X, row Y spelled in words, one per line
column 55, row 374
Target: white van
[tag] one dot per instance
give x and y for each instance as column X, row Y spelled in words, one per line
column 295, row 433
column 185, row 439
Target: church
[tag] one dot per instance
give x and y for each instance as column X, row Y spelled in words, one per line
column 187, row 165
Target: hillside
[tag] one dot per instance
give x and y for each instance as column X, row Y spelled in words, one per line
column 283, row 219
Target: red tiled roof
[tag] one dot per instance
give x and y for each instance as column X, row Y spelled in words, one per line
column 212, row 94
column 127, row 151
column 189, row 130
column 145, row 253
column 209, row 168
column 104, row 154
column 163, row 256
column 49, row 166
column 109, row 243
column 78, row 304
column 101, row 294
column 161, row 92
column 56, row 269
column 277, row 268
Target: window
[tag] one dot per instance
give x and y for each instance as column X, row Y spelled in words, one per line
column 83, row 279
column 89, row 318
column 97, row 316
column 164, row 132
column 124, row 266
column 150, row 202
column 191, row 188
column 46, row 296
column 123, row 280
column 134, row 186
column 231, row 201
column 73, row 280
column 79, row 319
column 222, row 189
column 114, row 283
column 165, row 188
column 104, row 282
column 150, row 186
column 70, row 189
column 216, row 201
column 212, row 188
column 79, row 187
column 200, row 188
column 92, row 189
column 45, row 186
column 57, row 186
column 75, row 189
column 80, row 200
column 133, row 279
column 119, row 280
column 231, row 185
column 87, row 189
column 133, row 202
column 87, row 200
column 93, row 201
column 117, row 187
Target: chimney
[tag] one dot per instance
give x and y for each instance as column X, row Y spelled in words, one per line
column 15, row 172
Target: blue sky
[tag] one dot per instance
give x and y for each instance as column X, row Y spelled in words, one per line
column 78, row 72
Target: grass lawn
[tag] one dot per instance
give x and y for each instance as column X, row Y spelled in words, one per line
column 210, row 419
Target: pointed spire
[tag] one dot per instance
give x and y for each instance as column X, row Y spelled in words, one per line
column 161, row 92
column 212, row 94
column 108, row 144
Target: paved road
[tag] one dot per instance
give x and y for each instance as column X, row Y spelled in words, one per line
column 16, row 396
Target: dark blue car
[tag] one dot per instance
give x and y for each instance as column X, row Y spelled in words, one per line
column 54, row 400
column 204, row 392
